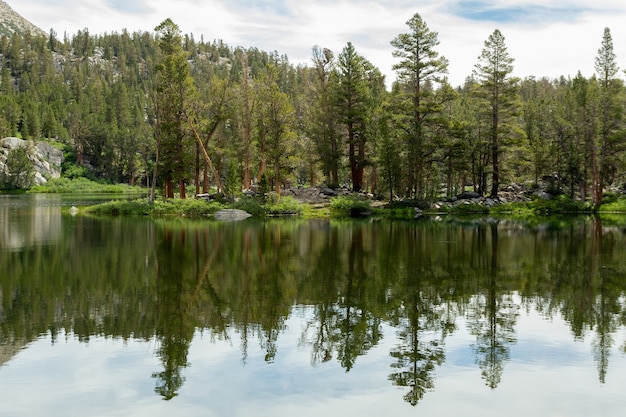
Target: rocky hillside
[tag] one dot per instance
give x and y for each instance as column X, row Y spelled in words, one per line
column 46, row 158
column 10, row 22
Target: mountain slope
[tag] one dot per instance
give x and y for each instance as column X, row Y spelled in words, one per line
column 11, row 21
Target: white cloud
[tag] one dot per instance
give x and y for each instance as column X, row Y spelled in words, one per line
column 546, row 37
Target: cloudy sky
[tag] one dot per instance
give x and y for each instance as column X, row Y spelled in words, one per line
column 545, row 37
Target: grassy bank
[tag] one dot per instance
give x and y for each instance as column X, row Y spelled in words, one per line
column 193, row 208
column 346, row 207
column 84, row 186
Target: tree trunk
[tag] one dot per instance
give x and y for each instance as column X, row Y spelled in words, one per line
column 197, row 172
column 495, row 181
column 169, row 188
column 182, row 189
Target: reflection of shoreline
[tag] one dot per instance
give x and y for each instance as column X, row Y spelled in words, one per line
column 30, row 225
column 422, row 282
column 9, row 350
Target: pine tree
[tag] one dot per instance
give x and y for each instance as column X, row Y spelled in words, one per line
column 611, row 115
column 275, row 121
column 500, row 90
column 322, row 127
column 352, row 107
column 420, row 66
column 174, row 94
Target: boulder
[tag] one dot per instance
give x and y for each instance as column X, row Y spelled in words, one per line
column 328, row 191
column 468, row 195
column 542, row 195
column 231, row 215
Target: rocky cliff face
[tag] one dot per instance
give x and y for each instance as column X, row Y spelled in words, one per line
column 46, row 158
column 11, row 21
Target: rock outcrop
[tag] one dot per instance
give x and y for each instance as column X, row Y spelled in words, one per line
column 11, row 21
column 46, row 158
column 232, row 215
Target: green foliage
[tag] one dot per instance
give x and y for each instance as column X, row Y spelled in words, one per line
column 614, row 205
column 82, row 185
column 286, row 206
column 263, row 190
column 351, row 205
column 232, row 183
column 332, row 122
column 73, row 171
column 19, row 170
column 253, row 206
column 142, row 207
column 561, row 204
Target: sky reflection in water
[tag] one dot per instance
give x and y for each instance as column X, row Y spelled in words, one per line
column 546, row 375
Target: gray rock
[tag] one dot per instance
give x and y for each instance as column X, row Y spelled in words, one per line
column 46, row 158
column 543, row 195
column 231, row 215
column 468, row 195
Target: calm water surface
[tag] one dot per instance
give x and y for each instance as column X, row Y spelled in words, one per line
column 139, row 317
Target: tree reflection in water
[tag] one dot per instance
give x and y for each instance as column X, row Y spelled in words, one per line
column 166, row 280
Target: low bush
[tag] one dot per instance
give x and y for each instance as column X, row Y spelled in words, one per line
column 561, row 204
column 349, row 206
column 286, row 206
column 160, row 208
column 251, row 205
column 614, row 205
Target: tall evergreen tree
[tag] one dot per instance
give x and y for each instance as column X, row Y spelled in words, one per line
column 420, row 65
column 275, row 122
column 323, row 125
column 500, row 89
column 611, row 115
column 174, row 94
column 352, row 107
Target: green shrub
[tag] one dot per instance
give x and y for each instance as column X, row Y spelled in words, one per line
column 617, row 205
column 471, row 208
column 559, row 205
column 83, row 185
column 286, row 206
column 139, row 207
column 171, row 207
column 251, row 205
column 20, row 172
column 345, row 206
column 73, row 171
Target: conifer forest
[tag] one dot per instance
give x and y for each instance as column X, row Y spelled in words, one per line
column 183, row 115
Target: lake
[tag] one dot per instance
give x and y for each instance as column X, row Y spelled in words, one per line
column 440, row 317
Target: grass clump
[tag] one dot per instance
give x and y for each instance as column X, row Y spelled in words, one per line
column 285, row 206
column 616, row 205
column 561, row 204
column 160, row 208
column 273, row 206
column 83, row 186
column 350, row 206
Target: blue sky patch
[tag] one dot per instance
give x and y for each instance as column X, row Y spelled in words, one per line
column 273, row 7
column 128, row 6
column 483, row 11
